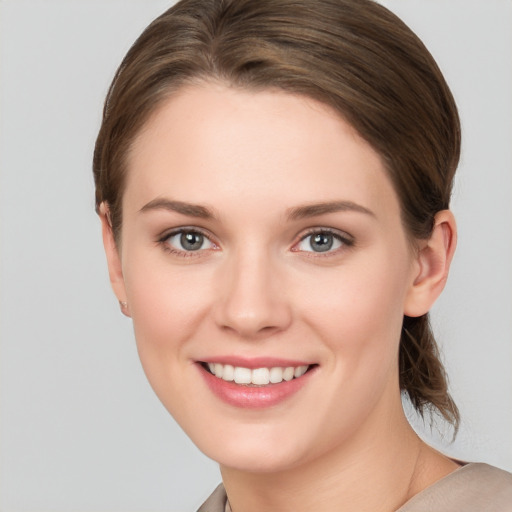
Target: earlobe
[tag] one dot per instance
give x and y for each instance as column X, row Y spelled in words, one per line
column 115, row 270
column 433, row 264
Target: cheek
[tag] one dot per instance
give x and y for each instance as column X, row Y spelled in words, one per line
column 358, row 310
column 166, row 304
column 356, row 314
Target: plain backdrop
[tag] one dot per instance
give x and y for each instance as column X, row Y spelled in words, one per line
column 80, row 429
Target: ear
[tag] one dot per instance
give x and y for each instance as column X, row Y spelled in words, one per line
column 115, row 270
column 432, row 265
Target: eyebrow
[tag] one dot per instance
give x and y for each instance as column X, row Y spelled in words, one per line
column 312, row 210
column 189, row 209
column 296, row 213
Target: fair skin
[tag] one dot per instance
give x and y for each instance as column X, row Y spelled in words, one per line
column 260, row 230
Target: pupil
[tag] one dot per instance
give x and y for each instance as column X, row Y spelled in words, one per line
column 191, row 241
column 321, row 242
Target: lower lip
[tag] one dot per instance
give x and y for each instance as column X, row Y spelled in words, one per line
column 253, row 397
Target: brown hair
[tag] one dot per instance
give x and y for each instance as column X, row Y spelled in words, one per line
column 353, row 55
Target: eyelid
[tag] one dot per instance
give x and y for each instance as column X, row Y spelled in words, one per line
column 164, row 237
column 345, row 238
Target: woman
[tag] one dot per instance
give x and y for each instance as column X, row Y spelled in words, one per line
column 273, row 180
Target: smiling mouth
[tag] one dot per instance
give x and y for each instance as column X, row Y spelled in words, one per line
column 256, row 376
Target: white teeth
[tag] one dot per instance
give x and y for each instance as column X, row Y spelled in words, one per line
column 257, row 376
column 228, row 373
column 299, row 371
column 218, row 370
column 260, row 376
column 288, row 373
column 242, row 375
column 276, row 375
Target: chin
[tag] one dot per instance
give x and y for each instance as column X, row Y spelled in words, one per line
column 255, row 459
column 255, row 448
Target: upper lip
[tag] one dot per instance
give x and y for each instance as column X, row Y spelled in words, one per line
column 255, row 362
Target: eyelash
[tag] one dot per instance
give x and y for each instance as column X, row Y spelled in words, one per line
column 164, row 242
column 345, row 240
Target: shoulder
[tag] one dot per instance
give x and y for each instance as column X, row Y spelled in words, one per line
column 216, row 502
column 473, row 488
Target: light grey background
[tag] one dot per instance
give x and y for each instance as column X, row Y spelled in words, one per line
column 80, row 429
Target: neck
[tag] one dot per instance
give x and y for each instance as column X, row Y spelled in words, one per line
column 380, row 469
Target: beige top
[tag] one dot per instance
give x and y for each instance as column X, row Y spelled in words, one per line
column 472, row 488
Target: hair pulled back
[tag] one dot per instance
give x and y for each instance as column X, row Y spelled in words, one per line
column 353, row 55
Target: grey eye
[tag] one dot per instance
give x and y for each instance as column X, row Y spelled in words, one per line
column 322, row 241
column 189, row 241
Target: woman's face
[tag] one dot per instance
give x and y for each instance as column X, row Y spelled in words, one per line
column 261, row 238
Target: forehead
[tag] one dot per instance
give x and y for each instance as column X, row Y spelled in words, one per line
column 214, row 144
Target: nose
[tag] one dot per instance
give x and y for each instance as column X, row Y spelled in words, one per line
column 252, row 301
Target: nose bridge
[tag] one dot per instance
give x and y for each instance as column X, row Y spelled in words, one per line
column 252, row 301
